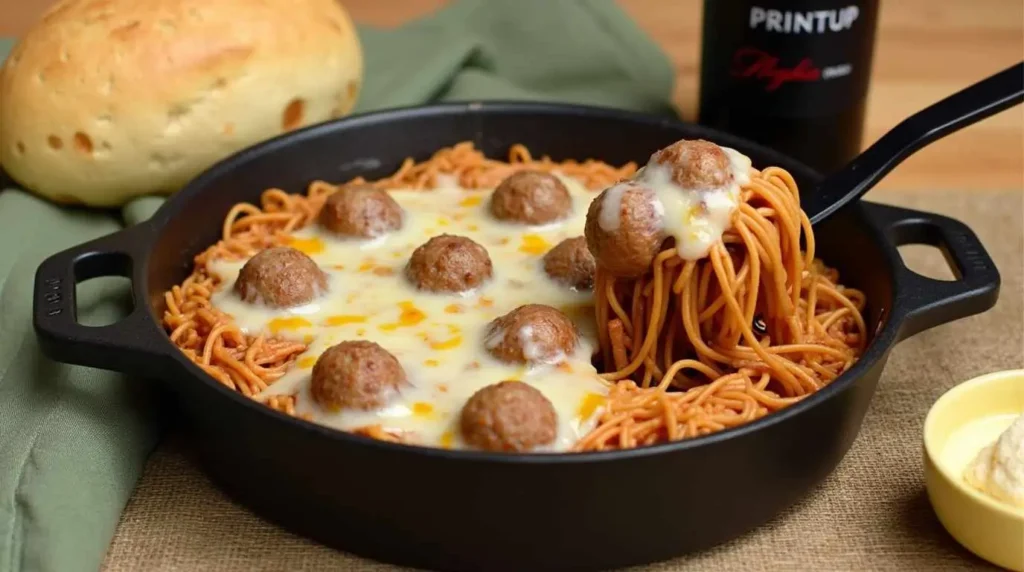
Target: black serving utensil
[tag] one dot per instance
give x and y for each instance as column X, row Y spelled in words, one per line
column 966, row 107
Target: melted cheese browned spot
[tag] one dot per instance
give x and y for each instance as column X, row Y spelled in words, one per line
column 310, row 246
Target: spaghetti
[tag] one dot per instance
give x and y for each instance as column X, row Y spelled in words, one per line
column 678, row 343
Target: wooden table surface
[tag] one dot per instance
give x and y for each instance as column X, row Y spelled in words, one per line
column 925, row 50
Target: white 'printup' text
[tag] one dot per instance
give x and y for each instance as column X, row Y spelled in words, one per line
column 811, row 22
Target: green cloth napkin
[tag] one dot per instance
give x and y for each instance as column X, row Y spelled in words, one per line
column 576, row 51
column 73, row 440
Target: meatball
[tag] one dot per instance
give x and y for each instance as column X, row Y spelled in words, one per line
column 360, row 211
column 624, row 229
column 531, row 197
column 533, row 333
column 508, row 416
column 695, row 164
column 571, row 263
column 280, row 277
column 449, row 263
column 355, row 375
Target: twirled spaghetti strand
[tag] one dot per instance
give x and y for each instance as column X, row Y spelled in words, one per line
column 717, row 371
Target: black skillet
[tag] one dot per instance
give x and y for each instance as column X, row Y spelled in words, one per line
column 473, row 510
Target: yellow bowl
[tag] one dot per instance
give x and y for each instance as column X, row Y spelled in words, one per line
column 966, row 419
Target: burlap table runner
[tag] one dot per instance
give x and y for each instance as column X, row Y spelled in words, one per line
column 871, row 514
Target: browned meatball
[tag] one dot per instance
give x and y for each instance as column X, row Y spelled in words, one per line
column 625, row 244
column 280, row 277
column 361, row 211
column 533, row 333
column 355, row 375
column 695, row 164
column 508, row 416
column 449, row 263
column 571, row 263
column 531, row 197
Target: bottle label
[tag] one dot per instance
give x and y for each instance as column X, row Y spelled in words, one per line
column 794, row 58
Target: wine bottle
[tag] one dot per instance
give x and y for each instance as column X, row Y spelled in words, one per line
column 789, row 74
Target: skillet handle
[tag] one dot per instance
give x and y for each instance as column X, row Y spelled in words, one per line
column 925, row 302
column 127, row 345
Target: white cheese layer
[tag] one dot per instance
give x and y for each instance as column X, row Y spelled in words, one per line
column 438, row 338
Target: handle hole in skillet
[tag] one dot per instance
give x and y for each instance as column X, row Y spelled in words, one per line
column 103, row 291
column 924, row 251
column 928, row 261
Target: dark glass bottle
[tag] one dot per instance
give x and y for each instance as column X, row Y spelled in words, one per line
column 790, row 74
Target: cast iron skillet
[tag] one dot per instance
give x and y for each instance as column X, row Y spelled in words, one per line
column 472, row 510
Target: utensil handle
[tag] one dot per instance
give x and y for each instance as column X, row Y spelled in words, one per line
column 924, row 302
column 966, row 107
column 127, row 345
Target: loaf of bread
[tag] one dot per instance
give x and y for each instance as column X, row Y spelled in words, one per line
column 105, row 100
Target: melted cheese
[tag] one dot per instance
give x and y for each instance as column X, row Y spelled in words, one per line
column 440, row 339
column 611, row 205
column 695, row 217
